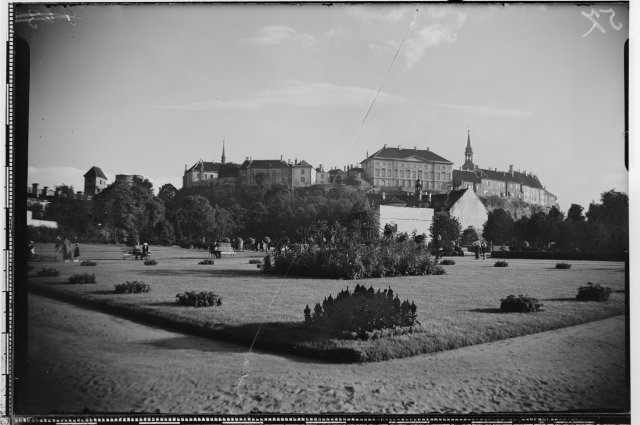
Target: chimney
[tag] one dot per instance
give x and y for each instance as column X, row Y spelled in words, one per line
column 289, row 161
column 399, row 147
column 511, row 170
column 79, row 193
column 415, row 148
column 186, row 167
column 45, row 191
column 246, row 158
column 385, row 145
column 448, row 189
column 296, row 163
column 280, row 157
column 427, row 148
column 524, row 172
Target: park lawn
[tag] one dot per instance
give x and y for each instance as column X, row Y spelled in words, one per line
column 458, row 309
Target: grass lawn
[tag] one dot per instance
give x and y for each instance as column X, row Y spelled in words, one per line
column 457, row 309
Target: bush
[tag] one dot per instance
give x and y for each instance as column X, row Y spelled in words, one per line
column 563, row 266
column 447, row 262
column 560, row 255
column 208, row 262
column 134, row 287
column 150, row 263
column 520, row 304
column 225, row 240
column 48, row 272
column 501, row 264
column 353, row 259
column 255, row 261
column 360, row 312
column 88, row 263
column 202, row 299
column 593, row 292
column 83, row 278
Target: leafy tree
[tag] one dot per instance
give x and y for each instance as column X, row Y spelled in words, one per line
column 167, row 192
column 499, row 227
column 196, row 217
column 469, row 235
column 446, row 226
column 164, row 230
column 574, row 214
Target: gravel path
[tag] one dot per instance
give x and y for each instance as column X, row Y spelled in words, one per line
column 80, row 358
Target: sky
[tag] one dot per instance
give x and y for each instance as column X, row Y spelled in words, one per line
column 148, row 89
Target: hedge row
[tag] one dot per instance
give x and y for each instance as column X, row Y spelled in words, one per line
column 550, row 255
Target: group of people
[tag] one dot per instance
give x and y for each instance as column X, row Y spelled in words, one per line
column 69, row 253
column 141, row 251
column 480, row 248
column 214, row 250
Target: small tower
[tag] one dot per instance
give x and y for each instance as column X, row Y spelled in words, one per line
column 94, row 181
column 224, row 158
column 468, row 154
column 418, row 189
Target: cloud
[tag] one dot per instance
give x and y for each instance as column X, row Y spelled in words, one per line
column 388, row 48
column 333, row 33
column 442, row 25
column 381, row 13
column 295, row 93
column 488, row 110
column 271, row 35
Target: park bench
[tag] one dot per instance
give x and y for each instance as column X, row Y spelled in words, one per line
column 126, row 253
column 225, row 249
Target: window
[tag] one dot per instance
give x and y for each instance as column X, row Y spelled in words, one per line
column 284, row 173
column 252, row 181
column 302, row 172
column 251, row 173
column 377, row 173
column 302, row 179
column 448, row 176
column 413, row 174
column 273, row 174
column 284, row 181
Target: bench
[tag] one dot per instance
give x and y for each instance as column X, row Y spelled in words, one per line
column 225, row 249
column 126, row 254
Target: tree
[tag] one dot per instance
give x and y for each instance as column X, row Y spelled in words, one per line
column 167, row 192
column 609, row 222
column 574, row 214
column 446, row 226
column 469, row 235
column 499, row 227
column 196, row 217
column 164, row 230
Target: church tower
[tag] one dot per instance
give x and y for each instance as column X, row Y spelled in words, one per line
column 224, row 158
column 468, row 154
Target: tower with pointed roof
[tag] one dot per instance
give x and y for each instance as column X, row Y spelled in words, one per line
column 468, row 154
column 94, row 181
column 224, row 158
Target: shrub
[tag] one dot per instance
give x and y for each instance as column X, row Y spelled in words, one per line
column 134, row 287
column 563, row 266
column 353, row 259
column 88, row 263
column 255, row 261
column 150, row 263
column 225, row 240
column 83, row 278
column 48, row 272
column 520, row 304
column 361, row 311
column 447, row 262
column 202, row 299
column 593, row 292
column 501, row 264
column 207, row 262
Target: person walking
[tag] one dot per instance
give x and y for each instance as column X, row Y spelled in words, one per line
column 66, row 249
column 476, row 249
column 76, row 253
column 483, row 248
column 211, row 250
column 145, row 251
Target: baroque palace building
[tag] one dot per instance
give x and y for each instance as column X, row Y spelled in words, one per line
column 398, row 167
column 508, row 184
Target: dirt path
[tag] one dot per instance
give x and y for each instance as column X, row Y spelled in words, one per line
column 80, row 358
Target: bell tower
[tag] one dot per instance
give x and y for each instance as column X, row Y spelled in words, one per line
column 224, row 158
column 468, row 154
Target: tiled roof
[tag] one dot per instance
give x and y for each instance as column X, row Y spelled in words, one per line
column 502, row 176
column 444, row 202
column 460, row 176
column 95, row 172
column 264, row 164
column 302, row 164
column 357, row 169
column 336, row 171
column 528, row 180
column 209, row 167
column 439, row 201
column 395, row 153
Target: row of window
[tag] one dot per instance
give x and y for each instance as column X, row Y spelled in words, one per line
column 405, row 165
column 273, row 180
column 408, row 183
column 266, row 173
column 412, row 174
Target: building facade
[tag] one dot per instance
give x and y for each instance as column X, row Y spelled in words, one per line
column 269, row 171
column 397, row 167
column 202, row 171
column 94, row 181
column 302, row 174
column 322, row 177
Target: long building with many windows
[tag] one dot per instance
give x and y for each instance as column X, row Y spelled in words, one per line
column 398, row 167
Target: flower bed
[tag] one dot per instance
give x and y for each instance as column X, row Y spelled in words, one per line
column 83, row 278
column 593, row 292
column 134, row 287
column 202, row 299
column 48, row 272
column 501, row 264
column 206, row 262
column 447, row 262
column 520, row 304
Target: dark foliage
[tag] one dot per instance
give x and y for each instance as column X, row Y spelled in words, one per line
column 593, row 292
column 447, row 262
column 520, row 304
column 83, row 278
column 88, row 263
column 563, row 266
column 360, row 311
column 48, row 272
column 547, row 255
column 150, row 263
column 134, row 287
column 202, row 299
column 501, row 264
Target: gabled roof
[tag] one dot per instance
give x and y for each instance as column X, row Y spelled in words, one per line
column 209, row 167
column 303, row 164
column 336, row 171
column 460, row 176
column 444, row 202
column 357, row 169
column 264, row 164
column 395, row 153
column 528, row 180
column 95, row 172
column 502, row 176
column 439, row 201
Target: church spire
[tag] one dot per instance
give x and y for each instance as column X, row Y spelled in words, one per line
column 468, row 154
column 224, row 158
